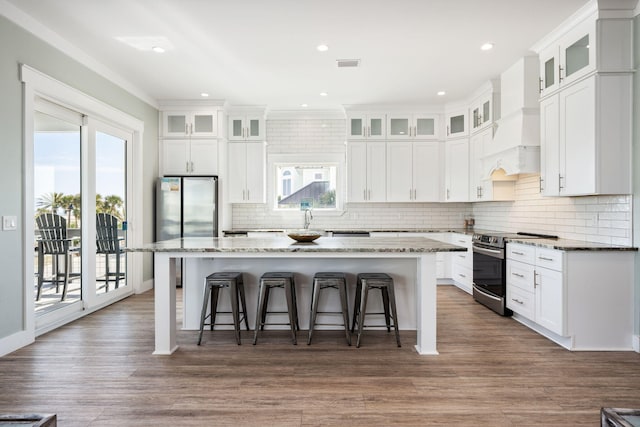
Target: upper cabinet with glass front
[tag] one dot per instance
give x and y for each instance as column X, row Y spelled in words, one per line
column 412, row 126
column 190, row 124
column 366, row 126
column 485, row 107
column 457, row 123
column 246, row 127
column 593, row 44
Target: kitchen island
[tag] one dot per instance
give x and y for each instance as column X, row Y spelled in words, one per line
column 409, row 260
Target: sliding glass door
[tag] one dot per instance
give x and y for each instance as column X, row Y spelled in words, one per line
column 80, row 180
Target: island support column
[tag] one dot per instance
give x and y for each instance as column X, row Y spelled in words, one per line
column 165, row 302
column 426, row 300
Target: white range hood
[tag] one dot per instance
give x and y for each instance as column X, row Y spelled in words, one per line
column 515, row 147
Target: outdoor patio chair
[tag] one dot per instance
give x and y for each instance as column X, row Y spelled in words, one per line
column 108, row 243
column 53, row 241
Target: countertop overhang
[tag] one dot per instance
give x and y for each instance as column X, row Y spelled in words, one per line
column 284, row 245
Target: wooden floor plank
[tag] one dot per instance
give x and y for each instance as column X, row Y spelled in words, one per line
column 491, row 371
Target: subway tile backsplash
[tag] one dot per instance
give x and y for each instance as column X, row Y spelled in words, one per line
column 603, row 219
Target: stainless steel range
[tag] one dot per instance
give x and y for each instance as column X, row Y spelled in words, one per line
column 489, row 268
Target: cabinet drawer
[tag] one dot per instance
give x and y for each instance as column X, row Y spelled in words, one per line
column 461, row 239
column 520, row 275
column 462, row 274
column 549, row 258
column 522, row 253
column 464, row 259
column 521, row 302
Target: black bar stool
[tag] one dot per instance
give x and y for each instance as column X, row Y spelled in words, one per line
column 212, row 285
column 383, row 282
column 271, row 280
column 326, row 280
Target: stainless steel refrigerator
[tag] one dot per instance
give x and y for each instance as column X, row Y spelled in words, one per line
column 186, row 206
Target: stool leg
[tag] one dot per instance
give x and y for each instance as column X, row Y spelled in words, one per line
column 295, row 303
column 356, row 305
column 203, row 314
column 363, row 311
column 40, row 270
column 263, row 318
column 243, row 302
column 385, row 303
column 233, row 288
column 106, row 272
column 67, row 265
column 260, row 312
column 345, row 310
column 394, row 312
column 289, row 291
column 215, row 290
column 313, row 313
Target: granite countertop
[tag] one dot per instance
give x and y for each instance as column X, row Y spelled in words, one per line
column 356, row 230
column 284, row 244
column 571, row 245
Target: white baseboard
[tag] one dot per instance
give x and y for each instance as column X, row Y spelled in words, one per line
column 15, row 341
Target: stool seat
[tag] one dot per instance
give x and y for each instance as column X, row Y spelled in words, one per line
column 380, row 281
column 212, row 285
column 324, row 280
column 268, row 281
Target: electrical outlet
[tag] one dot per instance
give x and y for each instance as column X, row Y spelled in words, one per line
column 9, row 222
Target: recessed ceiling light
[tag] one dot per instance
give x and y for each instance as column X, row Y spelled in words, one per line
column 304, row 105
column 204, row 94
column 487, row 46
column 158, row 49
column 147, row 43
column 442, row 93
column 322, row 48
column 323, row 94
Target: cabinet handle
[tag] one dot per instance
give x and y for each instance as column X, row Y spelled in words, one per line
column 535, row 277
column 541, row 186
column 517, row 253
column 560, row 178
column 191, row 166
column 364, row 194
column 415, row 194
column 560, row 70
column 447, row 130
column 447, row 194
column 517, row 300
column 518, row 275
column 368, row 194
column 410, row 194
column 191, row 128
column 462, row 256
column 186, row 128
column 248, row 195
column 462, row 275
column 540, row 81
column 415, row 131
column 186, row 166
column 543, row 258
column 461, row 241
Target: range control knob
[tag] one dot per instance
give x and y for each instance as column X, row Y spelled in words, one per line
column 493, row 239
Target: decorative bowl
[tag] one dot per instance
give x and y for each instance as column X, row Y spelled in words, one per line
column 304, row 235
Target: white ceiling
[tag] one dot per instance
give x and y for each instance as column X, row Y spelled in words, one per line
column 263, row 52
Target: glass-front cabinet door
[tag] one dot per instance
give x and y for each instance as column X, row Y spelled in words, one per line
column 246, row 128
column 399, row 126
column 457, row 124
column 414, row 126
column 363, row 126
column 185, row 123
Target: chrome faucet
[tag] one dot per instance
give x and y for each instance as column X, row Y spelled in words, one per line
column 308, row 216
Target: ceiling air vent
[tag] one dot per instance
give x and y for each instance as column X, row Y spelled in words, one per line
column 348, row 63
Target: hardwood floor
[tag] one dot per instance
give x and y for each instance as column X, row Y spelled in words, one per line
column 491, row 371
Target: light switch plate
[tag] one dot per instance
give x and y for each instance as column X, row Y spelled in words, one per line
column 9, row 222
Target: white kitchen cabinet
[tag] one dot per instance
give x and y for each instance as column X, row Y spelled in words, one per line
column 586, row 137
column 412, row 126
column 190, row 124
column 457, row 123
column 413, row 171
column 366, row 171
column 570, row 58
column 246, row 127
column 366, row 126
column 457, row 170
column 483, row 110
column 189, row 157
column 539, row 290
column 462, row 262
column 580, row 299
column 246, row 166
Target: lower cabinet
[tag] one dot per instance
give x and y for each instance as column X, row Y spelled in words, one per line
column 580, row 299
column 462, row 262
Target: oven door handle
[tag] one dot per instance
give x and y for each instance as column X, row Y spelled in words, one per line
column 496, row 253
column 477, row 288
